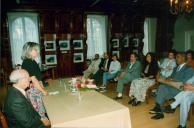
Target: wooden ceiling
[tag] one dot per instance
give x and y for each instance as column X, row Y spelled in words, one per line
column 87, row 5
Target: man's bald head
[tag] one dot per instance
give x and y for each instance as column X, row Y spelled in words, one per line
column 20, row 77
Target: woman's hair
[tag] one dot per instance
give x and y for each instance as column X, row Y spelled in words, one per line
column 173, row 51
column 27, row 48
column 153, row 57
column 190, row 52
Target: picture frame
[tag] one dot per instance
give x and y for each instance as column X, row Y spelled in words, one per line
column 50, row 59
column 135, row 42
column 135, row 51
column 64, row 45
column 78, row 44
column 78, row 57
column 117, row 53
column 126, row 41
column 50, row 45
column 115, row 43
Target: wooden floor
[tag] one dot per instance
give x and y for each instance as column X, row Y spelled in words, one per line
column 140, row 116
column 142, row 119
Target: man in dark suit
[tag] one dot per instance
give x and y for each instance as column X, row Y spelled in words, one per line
column 18, row 110
column 103, row 67
column 165, row 91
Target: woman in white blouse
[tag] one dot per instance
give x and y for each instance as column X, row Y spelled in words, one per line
column 115, row 66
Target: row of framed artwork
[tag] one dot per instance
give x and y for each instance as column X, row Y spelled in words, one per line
column 51, row 59
column 118, row 52
column 63, row 44
column 125, row 42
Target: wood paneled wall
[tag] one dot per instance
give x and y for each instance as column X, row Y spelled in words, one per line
column 71, row 24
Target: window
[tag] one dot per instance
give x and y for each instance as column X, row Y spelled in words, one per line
column 149, row 35
column 97, row 35
column 23, row 27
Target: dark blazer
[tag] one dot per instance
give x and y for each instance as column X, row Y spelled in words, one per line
column 19, row 111
column 183, row 75
column 153, row 69
column 102, row 63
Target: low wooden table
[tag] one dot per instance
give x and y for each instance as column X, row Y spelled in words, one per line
column 94, row 110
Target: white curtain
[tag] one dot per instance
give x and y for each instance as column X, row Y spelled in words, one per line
column 96, row 35
column 23, row 27
column 149, row 35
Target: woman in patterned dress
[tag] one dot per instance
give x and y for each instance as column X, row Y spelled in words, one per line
column 36, row 91
column 139, row 86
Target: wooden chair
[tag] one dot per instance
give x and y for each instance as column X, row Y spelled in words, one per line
column 3, row 120
column 151, row 88
column 191, row 116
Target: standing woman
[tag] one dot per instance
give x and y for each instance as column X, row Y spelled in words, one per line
column 29, row 55
column 139, row 86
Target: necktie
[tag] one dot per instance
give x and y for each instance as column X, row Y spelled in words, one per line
column 178, row 68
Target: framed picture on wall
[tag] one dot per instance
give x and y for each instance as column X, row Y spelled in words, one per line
column 50, row 45
column 64, row 45
column 78, row 57
column 50, row 59
column 135, row 42
column 135, row 51
column 116, row 53
column 126, row 42
column 115, row 43
column 78, row 44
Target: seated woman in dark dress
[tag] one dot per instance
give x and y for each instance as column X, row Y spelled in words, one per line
column 139, row 86
column 29, row 55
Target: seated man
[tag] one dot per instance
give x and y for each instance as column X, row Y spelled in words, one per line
column 131, row 72
column 103, row 67
column 184, row 99
column 93, row 67
column 165, row 92
column 168, row 65
column 18, row 110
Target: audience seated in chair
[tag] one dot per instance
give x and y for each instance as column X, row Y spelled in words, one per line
column 103, row 67
column 131, row 72
column 19, row 111
column 185, row 98
column 165, row 91
column 168, row 64
column 139, row 86
column 93, row 67
column 115, row 66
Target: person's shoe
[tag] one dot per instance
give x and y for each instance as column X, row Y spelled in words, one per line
column 131, row 101
column 158, row 116
column 155, row 110
column 118, row 98
column 181, row 126
column 168, row 109
column 102, row 87
column 103, row 90
column 135, row 103
column 115, row 79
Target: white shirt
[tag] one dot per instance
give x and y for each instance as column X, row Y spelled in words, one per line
column 115, row 66
column 21, row 90
column 180, row 66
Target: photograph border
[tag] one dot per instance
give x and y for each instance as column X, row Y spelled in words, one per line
column 50, row 55
column 54, row 45
column 127, row 41
column 79, row 48
column 78, row 61
column 116, row 52
column 68, row 45
column 117, row 45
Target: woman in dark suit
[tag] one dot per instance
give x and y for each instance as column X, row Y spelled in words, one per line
column 29, row 55
column 139, row 86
